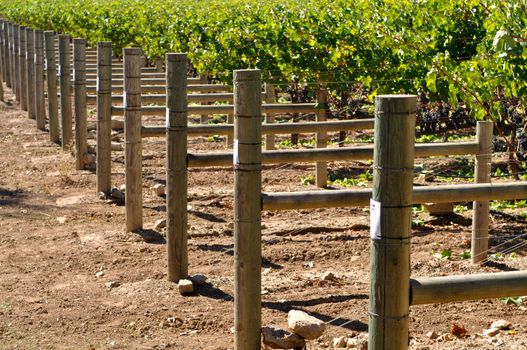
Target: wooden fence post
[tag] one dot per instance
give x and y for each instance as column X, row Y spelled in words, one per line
column 40, row 103
column 66, row 113
column 321, row 137
column 390, row 212
column 104, row 117
column 51, row 80
column 247, row 209
column 2, row 48
column 132, row 135
column 270, row 97
column 481, row 212
column 30, row 72
column 16, row 58
column 176, row 134
column 7, row 55
column 81, row 114
column 22, row 67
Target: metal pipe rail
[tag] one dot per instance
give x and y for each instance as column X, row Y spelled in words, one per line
column 161, row 98
column 228, row 129
column 275, row 108
column 421, row 194
column 158, row 89
column 330, row 154
column 446, row 289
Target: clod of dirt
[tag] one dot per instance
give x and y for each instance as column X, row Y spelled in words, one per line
column 277, row 338
column 458, row 331
column 306, row 326
column 185, row 286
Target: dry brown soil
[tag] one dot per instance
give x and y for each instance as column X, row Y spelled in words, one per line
column 61, row 246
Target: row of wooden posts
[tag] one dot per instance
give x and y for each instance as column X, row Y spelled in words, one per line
column 391, row 198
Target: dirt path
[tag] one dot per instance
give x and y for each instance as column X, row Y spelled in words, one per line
column 72, row 278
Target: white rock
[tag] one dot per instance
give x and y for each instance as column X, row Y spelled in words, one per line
column 185, row 286
column 432, row 335
column 199, row 280
column 328, row 276
column 99, row 274
column 61, row 219
column 340, row 342
column 491, row 332
column 160, row 224
column 159, row 190
column 501, row 324
column 306, row 326
column 112, row 284
column 277, row 338
column 360, row 342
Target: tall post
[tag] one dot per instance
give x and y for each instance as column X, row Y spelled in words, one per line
column 390, row 225
column 22, row 68
column 321, row 137
column 176, row 122
column 3, row 40
column 81, row 114
column 270, row 97
column 132, row 135
column 51, row 80
column 15, row 28
column 480, row 218
column 104, row 116
column 247, row 210
column 40, row 103
column 8, row 51
column 30, row 73
column 66, row 114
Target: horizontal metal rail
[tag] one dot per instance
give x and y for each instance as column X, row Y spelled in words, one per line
column 421, row 194
column 330, row 154
column 304, row 127
column 446, row 289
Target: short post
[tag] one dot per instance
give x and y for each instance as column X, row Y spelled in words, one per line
column 104, row 117
column 30, row 72
column 480, row 218
column 7, row 54
column 270, row 97
column 22, row 68
column 390, row 224
column 321, row 137
column 40, row 103
column 176, row 133
column 51, row 80
column 132, row 136
column 66, row 118
column 247, row 210
column 81, row 113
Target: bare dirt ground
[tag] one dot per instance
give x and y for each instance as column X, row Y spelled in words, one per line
column 61, row 248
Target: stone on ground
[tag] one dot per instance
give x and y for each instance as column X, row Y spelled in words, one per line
column 185, row 286
column 277, row 338
column 306, row 326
